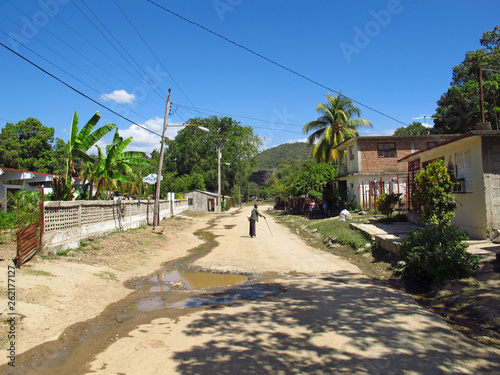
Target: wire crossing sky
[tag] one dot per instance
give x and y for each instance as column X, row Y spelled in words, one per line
column 267, row 64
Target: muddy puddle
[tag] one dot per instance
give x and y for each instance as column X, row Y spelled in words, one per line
column 175, row 290
column 165, row 281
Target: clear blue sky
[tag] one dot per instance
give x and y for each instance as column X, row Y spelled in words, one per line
column 392, row 56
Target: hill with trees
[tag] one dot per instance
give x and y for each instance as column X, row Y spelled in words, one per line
column 287, row 152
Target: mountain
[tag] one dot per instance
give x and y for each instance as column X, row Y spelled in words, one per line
column 273, row 157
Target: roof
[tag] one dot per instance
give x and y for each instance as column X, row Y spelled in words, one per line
column 24, row 171
column 474, row 133
column 391, row 137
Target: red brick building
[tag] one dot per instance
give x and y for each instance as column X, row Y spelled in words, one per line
column 368, row 166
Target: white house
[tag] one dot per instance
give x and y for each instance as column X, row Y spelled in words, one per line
column 474, row 158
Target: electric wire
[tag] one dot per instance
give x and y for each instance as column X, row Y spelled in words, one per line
column 77, row 91
column 160, row 94
column 272, row 61
column 79, row 80
column 207, row 111
column 153, row 53
column 72, row 48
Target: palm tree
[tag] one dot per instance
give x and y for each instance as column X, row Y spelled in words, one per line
column 339, row 121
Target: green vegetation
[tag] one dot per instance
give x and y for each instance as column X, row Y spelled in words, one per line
column 30, row 146
column 415, row 128
column 433, row 193
column 386, row 203
column 272, row 158
column 458, row 109
column 338, row 121
column 106, row 275
column 192, row 158
column 32, row 272
column 436, row 253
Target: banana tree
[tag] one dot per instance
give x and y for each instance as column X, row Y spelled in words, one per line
column 116, row 166
column 79, row 143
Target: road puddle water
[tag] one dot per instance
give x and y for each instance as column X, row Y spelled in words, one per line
column 176, row 279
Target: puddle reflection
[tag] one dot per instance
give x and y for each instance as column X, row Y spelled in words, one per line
column 193, row 280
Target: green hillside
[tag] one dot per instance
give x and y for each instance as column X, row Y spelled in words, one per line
column 279, row 154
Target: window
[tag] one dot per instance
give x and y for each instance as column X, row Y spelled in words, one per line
column 351, row 153
column 463, row 172
column 387, row 150
column 190, row 201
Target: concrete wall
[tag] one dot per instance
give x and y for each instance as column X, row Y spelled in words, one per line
column 470, row 214
column 67, row 223
column 491, row 167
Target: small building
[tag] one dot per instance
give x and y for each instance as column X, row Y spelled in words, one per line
column 12, row 180
column 203, row 201
column 368, row 166
column 474, row 159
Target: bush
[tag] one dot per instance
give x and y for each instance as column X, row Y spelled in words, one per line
column 436, row 254
column 386, row 203
column 8, row 220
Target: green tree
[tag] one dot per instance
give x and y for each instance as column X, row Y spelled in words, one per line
column 433, row 193
column 338, row 121
column 27, row 145
column 458, row 109
column 415, row 128
column 195, row 152
column 438, row 252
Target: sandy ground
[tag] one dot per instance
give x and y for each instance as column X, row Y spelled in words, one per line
column 327, row 319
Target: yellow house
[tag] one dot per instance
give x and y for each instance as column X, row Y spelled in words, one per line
column 474, row 158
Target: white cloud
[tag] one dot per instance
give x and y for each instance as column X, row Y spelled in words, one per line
column 119, row 96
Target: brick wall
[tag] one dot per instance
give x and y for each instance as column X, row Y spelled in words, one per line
column 372, row 163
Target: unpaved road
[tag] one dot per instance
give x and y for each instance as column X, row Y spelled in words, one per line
column 321, row 316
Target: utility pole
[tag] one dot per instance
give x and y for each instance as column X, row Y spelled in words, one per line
column 481, row 95
column 218, row 181
column 156, row 210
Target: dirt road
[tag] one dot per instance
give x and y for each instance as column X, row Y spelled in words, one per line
column 301, row 311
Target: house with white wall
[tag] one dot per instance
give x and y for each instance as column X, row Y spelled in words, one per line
column 474, row 159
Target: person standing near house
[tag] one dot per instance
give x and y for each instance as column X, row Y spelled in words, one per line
column 312, row 207
column 254, row 216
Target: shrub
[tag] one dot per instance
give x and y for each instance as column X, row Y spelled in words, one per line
column 436, row 254
column 386, row 203
column 433, row 192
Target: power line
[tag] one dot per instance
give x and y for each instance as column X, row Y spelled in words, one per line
column 154, row 54
column 160, row 94
column 271, row 61
column 207, row 111
column 77, row 91
column 79, row 80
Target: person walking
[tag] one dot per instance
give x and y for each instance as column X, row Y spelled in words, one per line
column 254, row 216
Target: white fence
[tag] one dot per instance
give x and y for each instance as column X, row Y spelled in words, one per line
column 67, row 223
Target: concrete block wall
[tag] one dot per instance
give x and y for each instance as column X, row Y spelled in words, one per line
column 68, row 223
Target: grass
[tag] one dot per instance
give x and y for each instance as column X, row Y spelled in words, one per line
column 84, row 248
column 106, row 275
column 32, row 272
column 338, row 238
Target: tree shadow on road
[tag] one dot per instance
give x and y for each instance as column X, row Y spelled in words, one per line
column 339, row 324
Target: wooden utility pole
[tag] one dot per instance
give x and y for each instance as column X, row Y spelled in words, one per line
column 481, row 95
column 156, row 210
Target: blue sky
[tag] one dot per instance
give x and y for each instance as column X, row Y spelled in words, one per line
column 394, row 58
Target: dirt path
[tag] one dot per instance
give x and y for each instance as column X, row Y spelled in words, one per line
column 322, row 316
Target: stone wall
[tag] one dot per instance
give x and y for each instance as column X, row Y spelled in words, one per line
column 67, row 223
